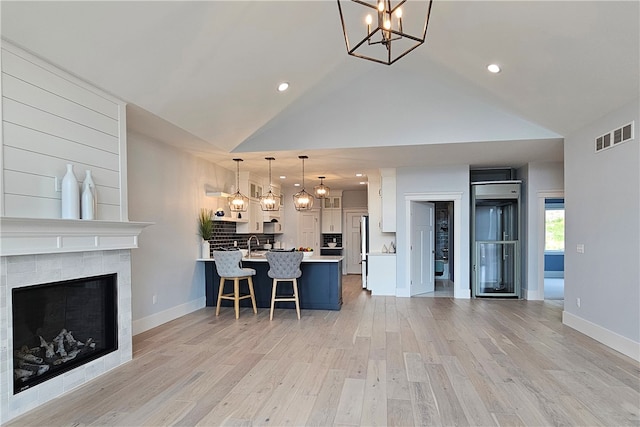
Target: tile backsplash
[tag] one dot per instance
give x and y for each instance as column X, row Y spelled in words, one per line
column 326, row 238
column 224, row 234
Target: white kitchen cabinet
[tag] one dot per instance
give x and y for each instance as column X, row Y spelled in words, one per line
column 255, row 225
column 255, row 190
column 332, row 213
column 381, row 279
column 331, row 221
column 273, row 228
column 332, row 202
column 388, row 200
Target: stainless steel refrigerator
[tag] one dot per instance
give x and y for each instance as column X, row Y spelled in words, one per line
column 364, row 248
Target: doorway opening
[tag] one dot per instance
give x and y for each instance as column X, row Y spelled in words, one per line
column 432, row 248
column 554, row 248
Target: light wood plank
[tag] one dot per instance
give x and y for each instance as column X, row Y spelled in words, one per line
column 399, row 413
column 374, row 409
column 350, row 404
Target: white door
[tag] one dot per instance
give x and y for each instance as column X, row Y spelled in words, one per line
column 309, row 231
column 422, row 248
column 351, row 242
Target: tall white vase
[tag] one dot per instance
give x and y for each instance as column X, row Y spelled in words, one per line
column 86, row 203
column 206, row 249
column 70, row 195
column 89, row 200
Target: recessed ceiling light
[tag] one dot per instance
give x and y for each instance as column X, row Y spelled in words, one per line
column 296, row 185
column 358, row 174
column 493, row 68
column 282, row 177
column 363, row 182
column 283, row 86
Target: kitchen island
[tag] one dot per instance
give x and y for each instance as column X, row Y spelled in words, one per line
column 319, row 287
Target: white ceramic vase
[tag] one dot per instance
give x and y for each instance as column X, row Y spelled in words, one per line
column 86, row 204
column 206, row 249
column 89, row 200
column 70, row 200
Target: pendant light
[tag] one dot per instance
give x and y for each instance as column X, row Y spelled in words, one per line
column 269, row 201
column 321, row 191
column 238, row 202
column 389, row 30
column 302, row 200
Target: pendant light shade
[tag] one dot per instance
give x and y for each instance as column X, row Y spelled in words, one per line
column 321, row 191
column 270, row 201
column 238, row 202
column 302, row 200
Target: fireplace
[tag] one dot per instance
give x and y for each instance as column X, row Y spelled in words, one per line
column 29, row 271
column 60, row 326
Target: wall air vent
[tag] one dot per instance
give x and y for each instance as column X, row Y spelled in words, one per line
column 615, row 137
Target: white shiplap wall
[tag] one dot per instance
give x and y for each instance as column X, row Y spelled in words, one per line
column 49, row 119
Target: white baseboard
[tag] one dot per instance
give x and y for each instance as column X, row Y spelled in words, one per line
column 403, row 292
column 533, row 295
column 461, row 293
column 611, row 339
column 157, row 319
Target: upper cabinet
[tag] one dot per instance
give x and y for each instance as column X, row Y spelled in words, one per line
column 332, row 214
column 332, row 202
column 388, row 200
column 255, row 224
column 259, row 221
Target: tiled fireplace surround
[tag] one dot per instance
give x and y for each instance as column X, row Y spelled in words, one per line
column 74, row 261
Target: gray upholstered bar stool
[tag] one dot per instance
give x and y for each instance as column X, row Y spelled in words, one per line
column 284, row 267
column 229, row 268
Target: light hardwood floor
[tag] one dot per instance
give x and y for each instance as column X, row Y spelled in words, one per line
column 378, row 361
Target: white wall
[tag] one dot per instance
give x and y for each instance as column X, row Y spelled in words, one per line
column 538, row 178
column 354, row 198
column 445, row 179
column 602, row 211
column 167, row 187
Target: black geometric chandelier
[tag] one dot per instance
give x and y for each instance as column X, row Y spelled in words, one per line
column 383, row 30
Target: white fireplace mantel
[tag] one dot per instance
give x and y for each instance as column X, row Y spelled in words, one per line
column 28, row 236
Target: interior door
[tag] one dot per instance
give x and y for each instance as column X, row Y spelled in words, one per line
column 351, row 245
column 422, row 248
column 309, row 231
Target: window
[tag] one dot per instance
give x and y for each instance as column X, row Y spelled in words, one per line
column 554, row 227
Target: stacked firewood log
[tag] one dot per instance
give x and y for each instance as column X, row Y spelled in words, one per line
column 30, row 362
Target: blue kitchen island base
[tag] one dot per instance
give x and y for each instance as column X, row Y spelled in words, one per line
column 319, row 287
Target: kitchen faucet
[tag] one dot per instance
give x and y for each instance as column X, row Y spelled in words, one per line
column 249, row 243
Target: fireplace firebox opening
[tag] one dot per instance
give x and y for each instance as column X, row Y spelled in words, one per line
column 60, row 326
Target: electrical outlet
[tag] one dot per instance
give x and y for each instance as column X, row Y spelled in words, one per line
column 580, row 248
column 578, row 302
column 235, row 243
column 155, row 299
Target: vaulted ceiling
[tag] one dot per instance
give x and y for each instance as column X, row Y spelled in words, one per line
column 202, row 75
